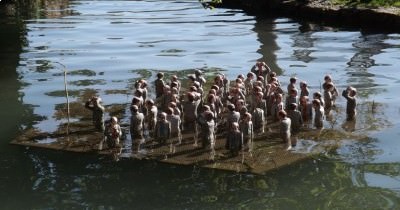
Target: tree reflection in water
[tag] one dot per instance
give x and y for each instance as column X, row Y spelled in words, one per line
column 315, row 184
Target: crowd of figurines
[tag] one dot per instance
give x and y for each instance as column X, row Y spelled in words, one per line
column 237, row 111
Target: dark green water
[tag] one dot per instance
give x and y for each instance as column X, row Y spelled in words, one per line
column 106, row 45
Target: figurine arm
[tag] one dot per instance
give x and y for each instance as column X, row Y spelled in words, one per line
column 87, row 105
column 267, row 68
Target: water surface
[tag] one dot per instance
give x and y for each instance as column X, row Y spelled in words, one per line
column 107, row 45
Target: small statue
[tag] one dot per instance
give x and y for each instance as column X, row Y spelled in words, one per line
column 234, row 139
column 162, row 131
column 350, row 95
column 94, row 104
column 285, row 128
column 137, row 124
column 113, row 133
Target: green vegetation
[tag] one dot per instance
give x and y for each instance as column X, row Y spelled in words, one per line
column 210, row 4
column 368, row 3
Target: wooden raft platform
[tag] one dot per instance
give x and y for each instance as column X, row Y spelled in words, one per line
column 268, row 151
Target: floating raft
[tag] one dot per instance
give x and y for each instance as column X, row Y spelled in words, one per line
column 267, row 153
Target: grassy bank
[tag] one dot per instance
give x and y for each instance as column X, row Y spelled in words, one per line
column 368, row 3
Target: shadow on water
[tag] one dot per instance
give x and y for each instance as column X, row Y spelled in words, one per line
column 15, row 115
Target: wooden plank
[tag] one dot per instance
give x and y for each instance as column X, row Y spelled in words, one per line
column 268, row 151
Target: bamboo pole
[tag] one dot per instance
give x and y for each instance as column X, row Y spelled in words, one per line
column 66, row 95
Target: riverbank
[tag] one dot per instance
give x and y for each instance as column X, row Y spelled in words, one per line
column 326, row 12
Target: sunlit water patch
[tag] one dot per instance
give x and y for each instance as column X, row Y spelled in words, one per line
column 108, row 37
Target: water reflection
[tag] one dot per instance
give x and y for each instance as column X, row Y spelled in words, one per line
column 14, row 113
column 11, row 44
column 35, row 9
column 264, row 29
column 304, row 42
column 308, row 185
column 366, row 47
